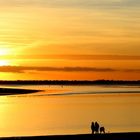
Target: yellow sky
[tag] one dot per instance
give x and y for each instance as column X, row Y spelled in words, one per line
column 82, row 33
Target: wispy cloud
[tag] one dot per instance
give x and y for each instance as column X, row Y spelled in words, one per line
column 24, row 69
column 131, row 70
column 74, row 57
column 74, row 3
column 91, row 57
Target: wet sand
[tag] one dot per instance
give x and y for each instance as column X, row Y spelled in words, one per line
column 107, row 136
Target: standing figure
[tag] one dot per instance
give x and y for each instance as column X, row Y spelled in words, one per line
column 92, row 127
column 97, row 127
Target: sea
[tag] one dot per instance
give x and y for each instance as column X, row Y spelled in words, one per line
column 58, row 110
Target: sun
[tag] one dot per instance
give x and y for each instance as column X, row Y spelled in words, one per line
column 6, row 54
column 4, row 63
column 4, row 51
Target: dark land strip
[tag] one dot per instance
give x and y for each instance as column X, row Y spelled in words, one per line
column 107, row 136
column 14, row 91
column 72, row 82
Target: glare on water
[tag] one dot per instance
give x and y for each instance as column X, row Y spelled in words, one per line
column 69, row 110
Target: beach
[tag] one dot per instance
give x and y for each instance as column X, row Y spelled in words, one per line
column 107, row 136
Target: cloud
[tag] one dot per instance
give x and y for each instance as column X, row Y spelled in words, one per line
column 98, row 57
column 74, row 3
column 74, row 57
column 24, row 69
column 132, row 70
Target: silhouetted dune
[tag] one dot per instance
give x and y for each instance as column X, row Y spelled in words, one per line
column 14, row 91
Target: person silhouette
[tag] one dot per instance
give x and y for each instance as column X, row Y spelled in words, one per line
column 92, row 127
column 97, row 127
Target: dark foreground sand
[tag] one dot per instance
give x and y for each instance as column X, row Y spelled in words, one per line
column 108, row 136
column 16, row 91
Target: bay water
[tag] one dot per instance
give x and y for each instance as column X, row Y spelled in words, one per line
column 60, row 110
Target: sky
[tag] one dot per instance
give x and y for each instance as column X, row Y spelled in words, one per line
column 70, row 39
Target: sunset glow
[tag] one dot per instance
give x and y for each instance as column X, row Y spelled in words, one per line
column 3, row 51
column 69, row 69
column 4, row 63
column 102, row 35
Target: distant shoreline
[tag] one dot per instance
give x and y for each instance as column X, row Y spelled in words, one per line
column 69, row 82
column 107, row 136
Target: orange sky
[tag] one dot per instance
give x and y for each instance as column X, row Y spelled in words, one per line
column 97, row 40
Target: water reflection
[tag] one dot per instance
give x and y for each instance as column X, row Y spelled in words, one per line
column 37, row 115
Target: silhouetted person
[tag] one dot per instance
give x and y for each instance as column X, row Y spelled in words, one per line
column 96, row 127
column 102, row 129
column 92, row 127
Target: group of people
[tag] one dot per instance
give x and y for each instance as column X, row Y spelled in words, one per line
column 95, row 128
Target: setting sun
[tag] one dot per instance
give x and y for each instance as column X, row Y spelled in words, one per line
column 4, row 62
column 3, row 51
